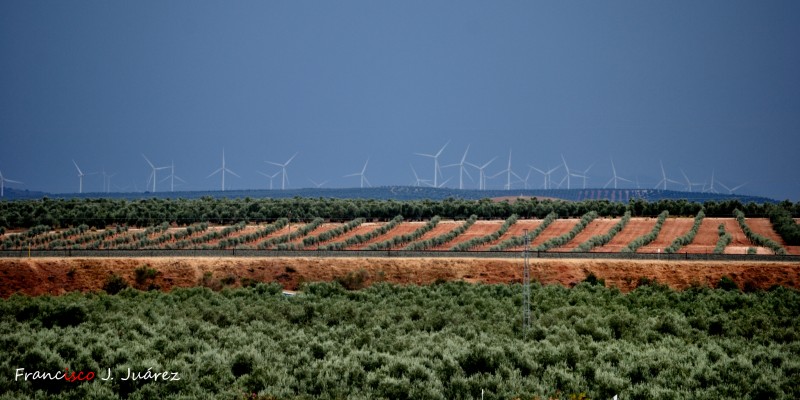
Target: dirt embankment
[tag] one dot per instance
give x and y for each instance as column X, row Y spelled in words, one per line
column 58, row 276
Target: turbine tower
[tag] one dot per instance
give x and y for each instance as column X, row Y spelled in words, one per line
column 223, row 170
column 481, row 174
column 436, row 170
column 271, row 177
column 548, row 184
column 361, row 174
column 568, row 173
column 418, row 180
column 664, row 178
column 461, row 169
column 583, row 175
column 172, row 177
column 80, row 176
column 285, row 177
column 616, row 178
column 3, row 181
column 711, row 188
column 152, row 174
column 689, row 183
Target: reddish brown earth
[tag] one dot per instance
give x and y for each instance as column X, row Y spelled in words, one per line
column 359, row 230
column 402, row 229
column 56, row 276
column 557, row 228
column 740, row 242
column 671, row 229
column 706, row 239
column 440, row 229
column 518, row 229
column 636, row 227
column 763, row 227
column 316, row 231
column 599, row 226
column 478, row 229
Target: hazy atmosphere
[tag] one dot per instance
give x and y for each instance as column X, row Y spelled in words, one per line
column 706, row 87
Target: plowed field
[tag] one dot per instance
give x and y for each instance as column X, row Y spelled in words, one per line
column 672, row 228
column 600, row 226
column 636, row 227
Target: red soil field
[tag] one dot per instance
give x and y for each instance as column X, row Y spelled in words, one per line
column 58, row 276
column 478, row 229
column 740, row 242
column 763, row 227
column 557, row 228
column 517, row 229
column 440, row 229
column 672, row 228
column 599, row 226
column 359, row 230
column 401, row 229
column 316, row 231
column 706, row 239
column 636, row 227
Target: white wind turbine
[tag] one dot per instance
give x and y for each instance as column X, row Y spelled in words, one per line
column 664, row 178
column 80, row 176
column 361, row 174
column 616, row 178
column 711, row 188
column 153, row 173
column 731, row 190
column 223, row 170
column 461, row 169
column 3, row 181
column 436, row 170
column 584, row 175
column 284, row 177
column 317, row 185
column 271, row 177
column 481, row 174
column 566, row 168
column 689, row 183
column 418, row 180
column 107, row 181
column 508, row 171
column 548, row 184
column 172, row 177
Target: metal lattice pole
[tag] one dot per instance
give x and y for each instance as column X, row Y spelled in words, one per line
column 526, row 291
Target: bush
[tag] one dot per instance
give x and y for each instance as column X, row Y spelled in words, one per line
column 115, row 284
column 601, row 240
column 755, row 238
column 688, row 237
column 645, row 239
column 464, row 246
column 520, row 240
column 565, row 238
column 724, row 240
column 726, row 283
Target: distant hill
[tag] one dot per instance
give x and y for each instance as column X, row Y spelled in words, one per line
column 411, row 193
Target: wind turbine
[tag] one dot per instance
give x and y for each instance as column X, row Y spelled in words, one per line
column 508, row 173
column 418, row 180
column 461, row 169
column 584, row 175
column 107, row 181
column 152, row 174
column 616, row 178
column 568, row 173
column 80, row 176
column 223, row 170
column 285, row 177
column 689, row 183
column 3, row 181
column 361, row 174
column 318, row 185
column 731, row 190
column 481, row 174
column 548, row 184
column 711, row 188
column 664, row 178
column 172, row 177
column 436, row 170
column 271, row 177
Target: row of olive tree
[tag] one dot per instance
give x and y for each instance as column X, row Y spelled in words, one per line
column 443, row 238
column 757, row 239
column 724, row 240
column 361, row 238
column 645, row 239
column 603, row 239
column 785, row 225
column 520, row 240
column 332, row 233
column 565, row 238
column 408, row 237
column 688, row 237
column 292, row 235
column 474, row 242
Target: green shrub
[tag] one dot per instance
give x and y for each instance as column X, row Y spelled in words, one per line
column 726, row 283
column 115, row 284
column 755, row 238
column 688, row 237
column 645, row 239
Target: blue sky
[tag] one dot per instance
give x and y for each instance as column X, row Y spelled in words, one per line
column 702, row 85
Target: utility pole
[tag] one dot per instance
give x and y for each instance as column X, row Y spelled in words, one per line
column 526, row 290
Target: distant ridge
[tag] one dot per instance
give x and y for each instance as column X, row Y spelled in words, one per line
column 410, row 193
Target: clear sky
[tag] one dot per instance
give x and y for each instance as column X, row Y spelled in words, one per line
column 702, row 85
